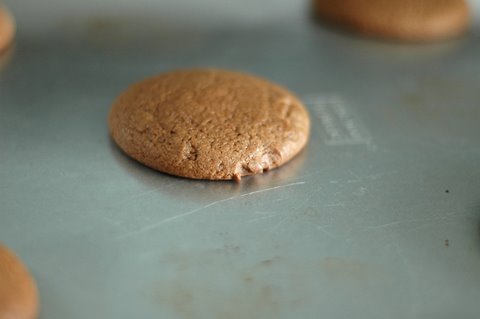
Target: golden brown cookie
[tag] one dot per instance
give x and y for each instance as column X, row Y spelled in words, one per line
column 409, row 20
column 18, row 292
column 209, row 124
column 7, row 28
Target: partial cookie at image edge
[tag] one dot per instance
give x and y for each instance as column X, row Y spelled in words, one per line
column 18, row 290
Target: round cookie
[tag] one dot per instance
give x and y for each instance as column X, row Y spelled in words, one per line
column 7, row 28
column 18, row 292
column 209, row 124
column 408, row 20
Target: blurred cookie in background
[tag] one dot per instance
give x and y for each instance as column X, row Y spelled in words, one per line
column 6, row 57
column 7, row 28
column 405, row 20
column 18, row 291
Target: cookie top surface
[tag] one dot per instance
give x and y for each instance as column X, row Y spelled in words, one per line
column 7, row 28
column 409, row 20
column 18, row 292
column 209, row 124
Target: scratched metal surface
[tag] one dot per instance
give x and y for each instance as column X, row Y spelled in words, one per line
column 378, row 218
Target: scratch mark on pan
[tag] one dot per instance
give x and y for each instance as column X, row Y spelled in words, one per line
column 145, row 193
column 287, row 217
column 196, row 210
column 323, row 230
column 357, row 177
column 260, row 212
column 170, row 219
column 399, row 222
column 446, row 219
column 253, row 220
column 272, row 188
column 335, row 205
column 280, row 223
column 310, row 174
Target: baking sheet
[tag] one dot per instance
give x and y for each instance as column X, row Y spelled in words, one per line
column 378, row 218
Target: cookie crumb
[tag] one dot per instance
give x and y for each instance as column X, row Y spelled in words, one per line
column 237, row 177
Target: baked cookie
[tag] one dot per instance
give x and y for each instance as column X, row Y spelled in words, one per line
column 409, row 20
column 7, row 28
column 18, row 292
column 209, row 124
